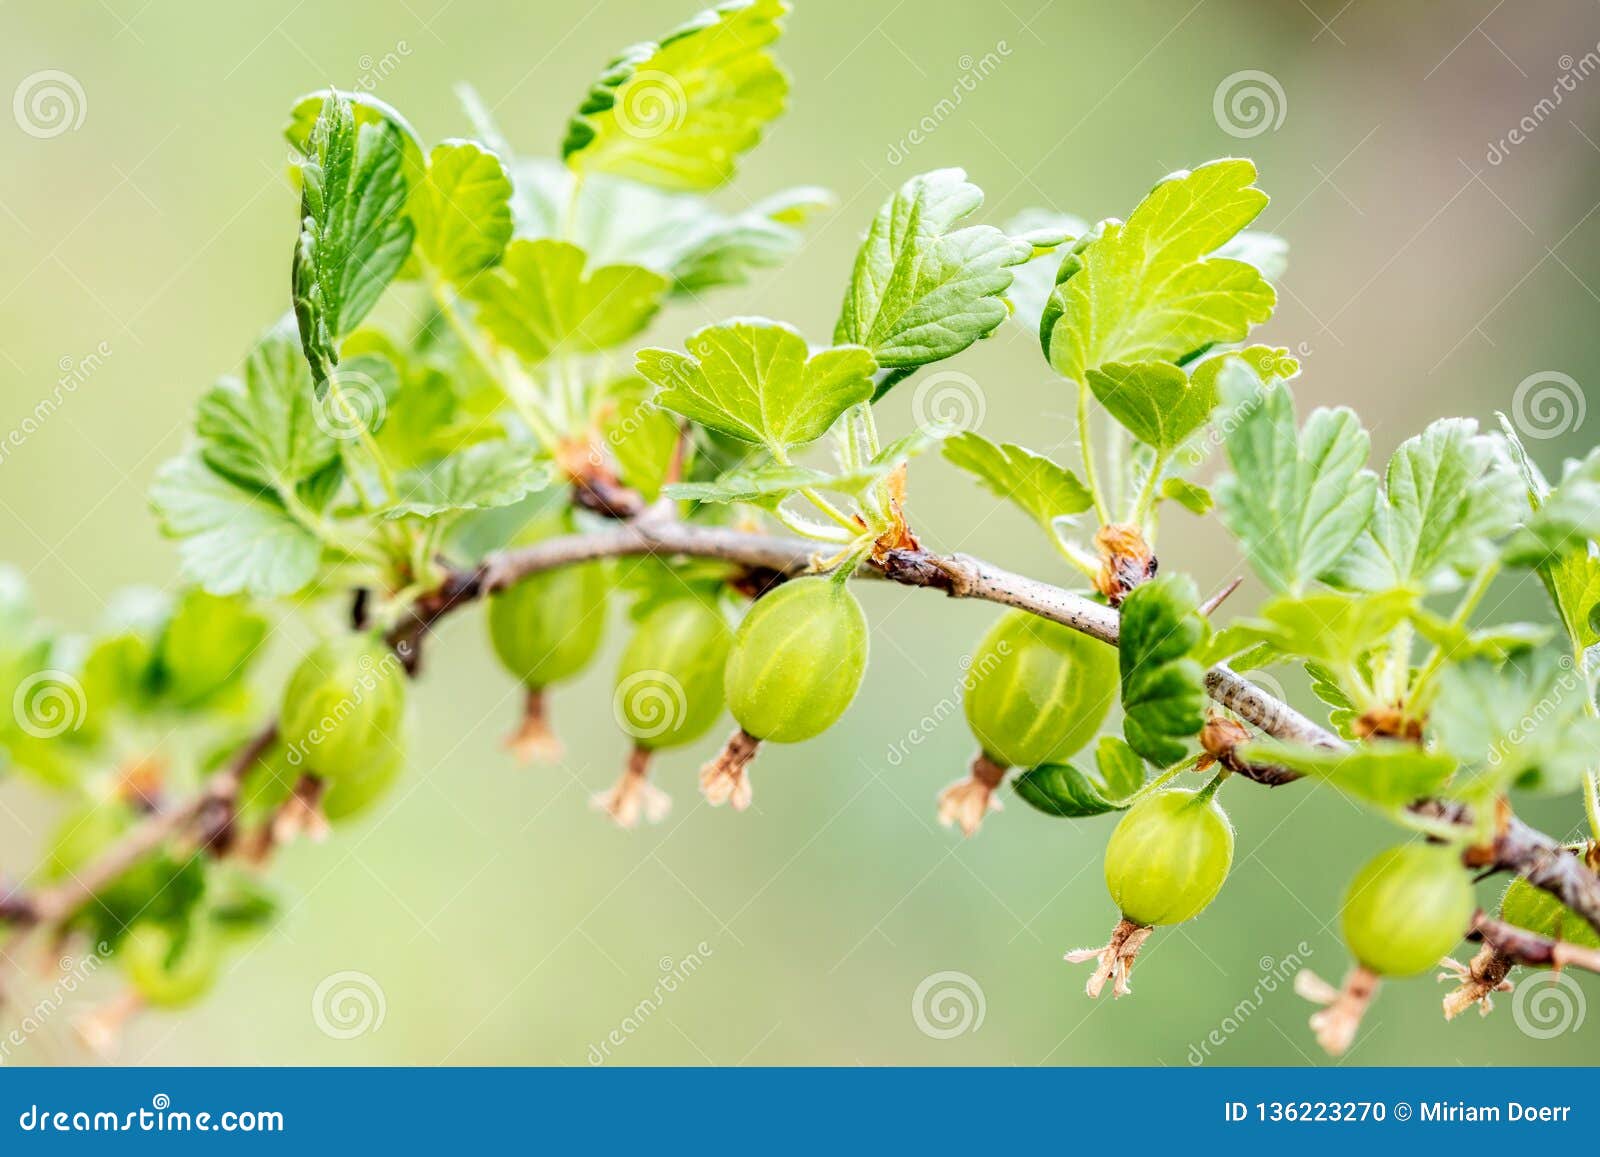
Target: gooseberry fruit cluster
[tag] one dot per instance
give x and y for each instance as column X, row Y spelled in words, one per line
column 524, row 447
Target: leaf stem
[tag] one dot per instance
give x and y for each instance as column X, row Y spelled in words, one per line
column 1087, row 448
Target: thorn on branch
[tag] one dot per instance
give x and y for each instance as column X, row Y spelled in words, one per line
column 1336, row 1024
column 725, row 779
column 1208, row 608
column 964, row 803
column 634, row 795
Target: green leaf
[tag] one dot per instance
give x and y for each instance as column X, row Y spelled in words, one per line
column 1498, row 643
column 231, row 539
column 1060, row 789
column 1515, row 727
column 1031, row 282
column 1389, row 774
column 679, row 235
column 1156, row 402
column 1570, row 577
column 1163, row 685
column 1297, row 500
column 1044, row 490
column 764, row 485
column 922, row 289
column 207, row 648
column 1564, row 520
column 751, row 379
column 354, row 234
column 642, row 436
column 1325, row 686
column 262, row 429
column 481, row 477
column 677, row 113
column 461, row 210
column 1149, row 290
column 539, row 301
column 1448, row 495
column 1195, row 499
column 1326, row 627
column 368, row 110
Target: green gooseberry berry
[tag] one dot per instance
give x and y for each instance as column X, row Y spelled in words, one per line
column 669, row 682
column 170, row 968
column 1168, row 857
column 344, row 708
column 1407, row 909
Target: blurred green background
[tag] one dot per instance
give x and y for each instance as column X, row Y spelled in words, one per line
column 501, row 919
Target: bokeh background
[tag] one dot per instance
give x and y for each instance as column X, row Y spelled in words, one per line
column 499, row 919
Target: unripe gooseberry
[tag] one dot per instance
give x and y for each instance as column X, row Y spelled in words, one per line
column 796, row 663
column 1037, row 690
column 343, row 709
column 1168, row 857
column 1407, row 909
column 797, row 660
column 669, row 682
column 1538, row 911
column 168, row 968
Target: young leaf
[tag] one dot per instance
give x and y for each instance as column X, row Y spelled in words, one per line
column 679, row 235
column 1388, row 774
column 368, row 110
column 539, row 301
column 1194, row 499
column 1147, row 290
column 1044, row 490
column 922, row 289
column 1449, row 494
column 231, row 539
column 642, row 436
column 480, row 477
column 750, row 378
column 262, row 429
column 1571, row 577
column 679, row 112
column 1297, row 500
column 461, row 211
column 1045, row 231
column 1155, row 401
column 354, row 235
column 765, row 485
column 206, row 648
column 1060, row 789
column 1564, row 520
column 1325, row 627
column 1163, row 686
column 1515, row 728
